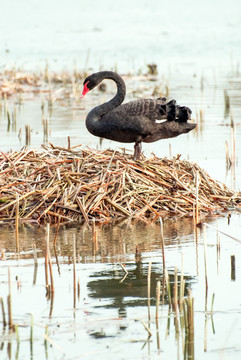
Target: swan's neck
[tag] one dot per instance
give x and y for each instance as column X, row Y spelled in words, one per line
column 103, row 109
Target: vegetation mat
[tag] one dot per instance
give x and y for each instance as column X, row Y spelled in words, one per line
column 58, row 185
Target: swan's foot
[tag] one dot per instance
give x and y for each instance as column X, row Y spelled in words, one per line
column 137, row 150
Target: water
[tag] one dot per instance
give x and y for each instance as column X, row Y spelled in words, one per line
column 110, row 309
column 207, row 145
column 200, row 35
column 200, row 48
column 196, row 46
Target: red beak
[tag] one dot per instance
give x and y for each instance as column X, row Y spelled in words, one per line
column 85, row 90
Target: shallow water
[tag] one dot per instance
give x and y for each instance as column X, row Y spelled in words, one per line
column 196, row 47
column 107, row 319
column 110, row 308
column 206, row 145
column 187, row 35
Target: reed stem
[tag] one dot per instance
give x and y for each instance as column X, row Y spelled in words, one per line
column 74, row 269
column 197, row 201
column 158, row 293
column 17, row 223
column 233, row 268
column 3, row 313
column 205, row 265
column 163, row 246
column 46, row 263
column 35, row 258
column 9, row 298
column 50, row 262
column 31, row 337
column 149, row 292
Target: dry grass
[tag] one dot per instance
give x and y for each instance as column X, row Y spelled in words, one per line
column 76, row 185
column 16, row 81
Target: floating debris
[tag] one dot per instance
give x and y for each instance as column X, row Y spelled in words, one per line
column 55, row 184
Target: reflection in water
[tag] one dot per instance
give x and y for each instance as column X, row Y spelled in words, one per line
column 109, row 288
column 132, row 291
column 112, row 304
column 109, row 243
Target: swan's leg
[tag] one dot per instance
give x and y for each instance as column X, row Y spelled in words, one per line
column 137, row 150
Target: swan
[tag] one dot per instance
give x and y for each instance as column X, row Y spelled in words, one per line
column 135, row 121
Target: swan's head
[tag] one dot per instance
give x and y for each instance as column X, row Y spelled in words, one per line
column 89, row 83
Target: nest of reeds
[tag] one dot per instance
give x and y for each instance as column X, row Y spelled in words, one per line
column 58, row 185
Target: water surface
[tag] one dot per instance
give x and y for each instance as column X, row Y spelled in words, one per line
column 108, row 314
column 200, row 35
column 196, row 47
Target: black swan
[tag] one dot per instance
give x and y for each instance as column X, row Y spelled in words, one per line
column 134, row 121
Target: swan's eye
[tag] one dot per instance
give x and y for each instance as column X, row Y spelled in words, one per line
column 86, row 83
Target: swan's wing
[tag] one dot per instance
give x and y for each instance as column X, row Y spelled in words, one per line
column 154, row 109
column 150, row 108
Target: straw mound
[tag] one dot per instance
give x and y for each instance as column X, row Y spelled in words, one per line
column 59, row 185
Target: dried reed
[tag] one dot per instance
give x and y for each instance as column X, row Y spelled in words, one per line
column 226, row 102
column 27, row 135
column 124, row 269
column 35, row 264
column 175, row 302
column 205, row 265
column 233, row 268
column 74, row 270
column 168, row 287
column 17, row 337
column 158, row 293
column 3, row 313
column 9, row 299
column 45, row 341
column 31, row 336
column 53, row 344
column 175, row 293
column 163, row 247
column 50, row 263
column 46, row 265
column 61, row 185
column 224, row 233
column 17, row 222
column 197, row 202
column 149, row 292
column 78, row 288
column 147, row 328
column 189, row 327
column 182, row 287
column 45, row 130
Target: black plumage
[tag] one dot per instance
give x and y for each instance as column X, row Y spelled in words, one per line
column 135, row 121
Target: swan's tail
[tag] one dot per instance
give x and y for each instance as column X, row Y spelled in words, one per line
column 183, row 113
column 173, row 112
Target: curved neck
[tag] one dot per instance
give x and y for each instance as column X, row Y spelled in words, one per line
column 117, row 99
